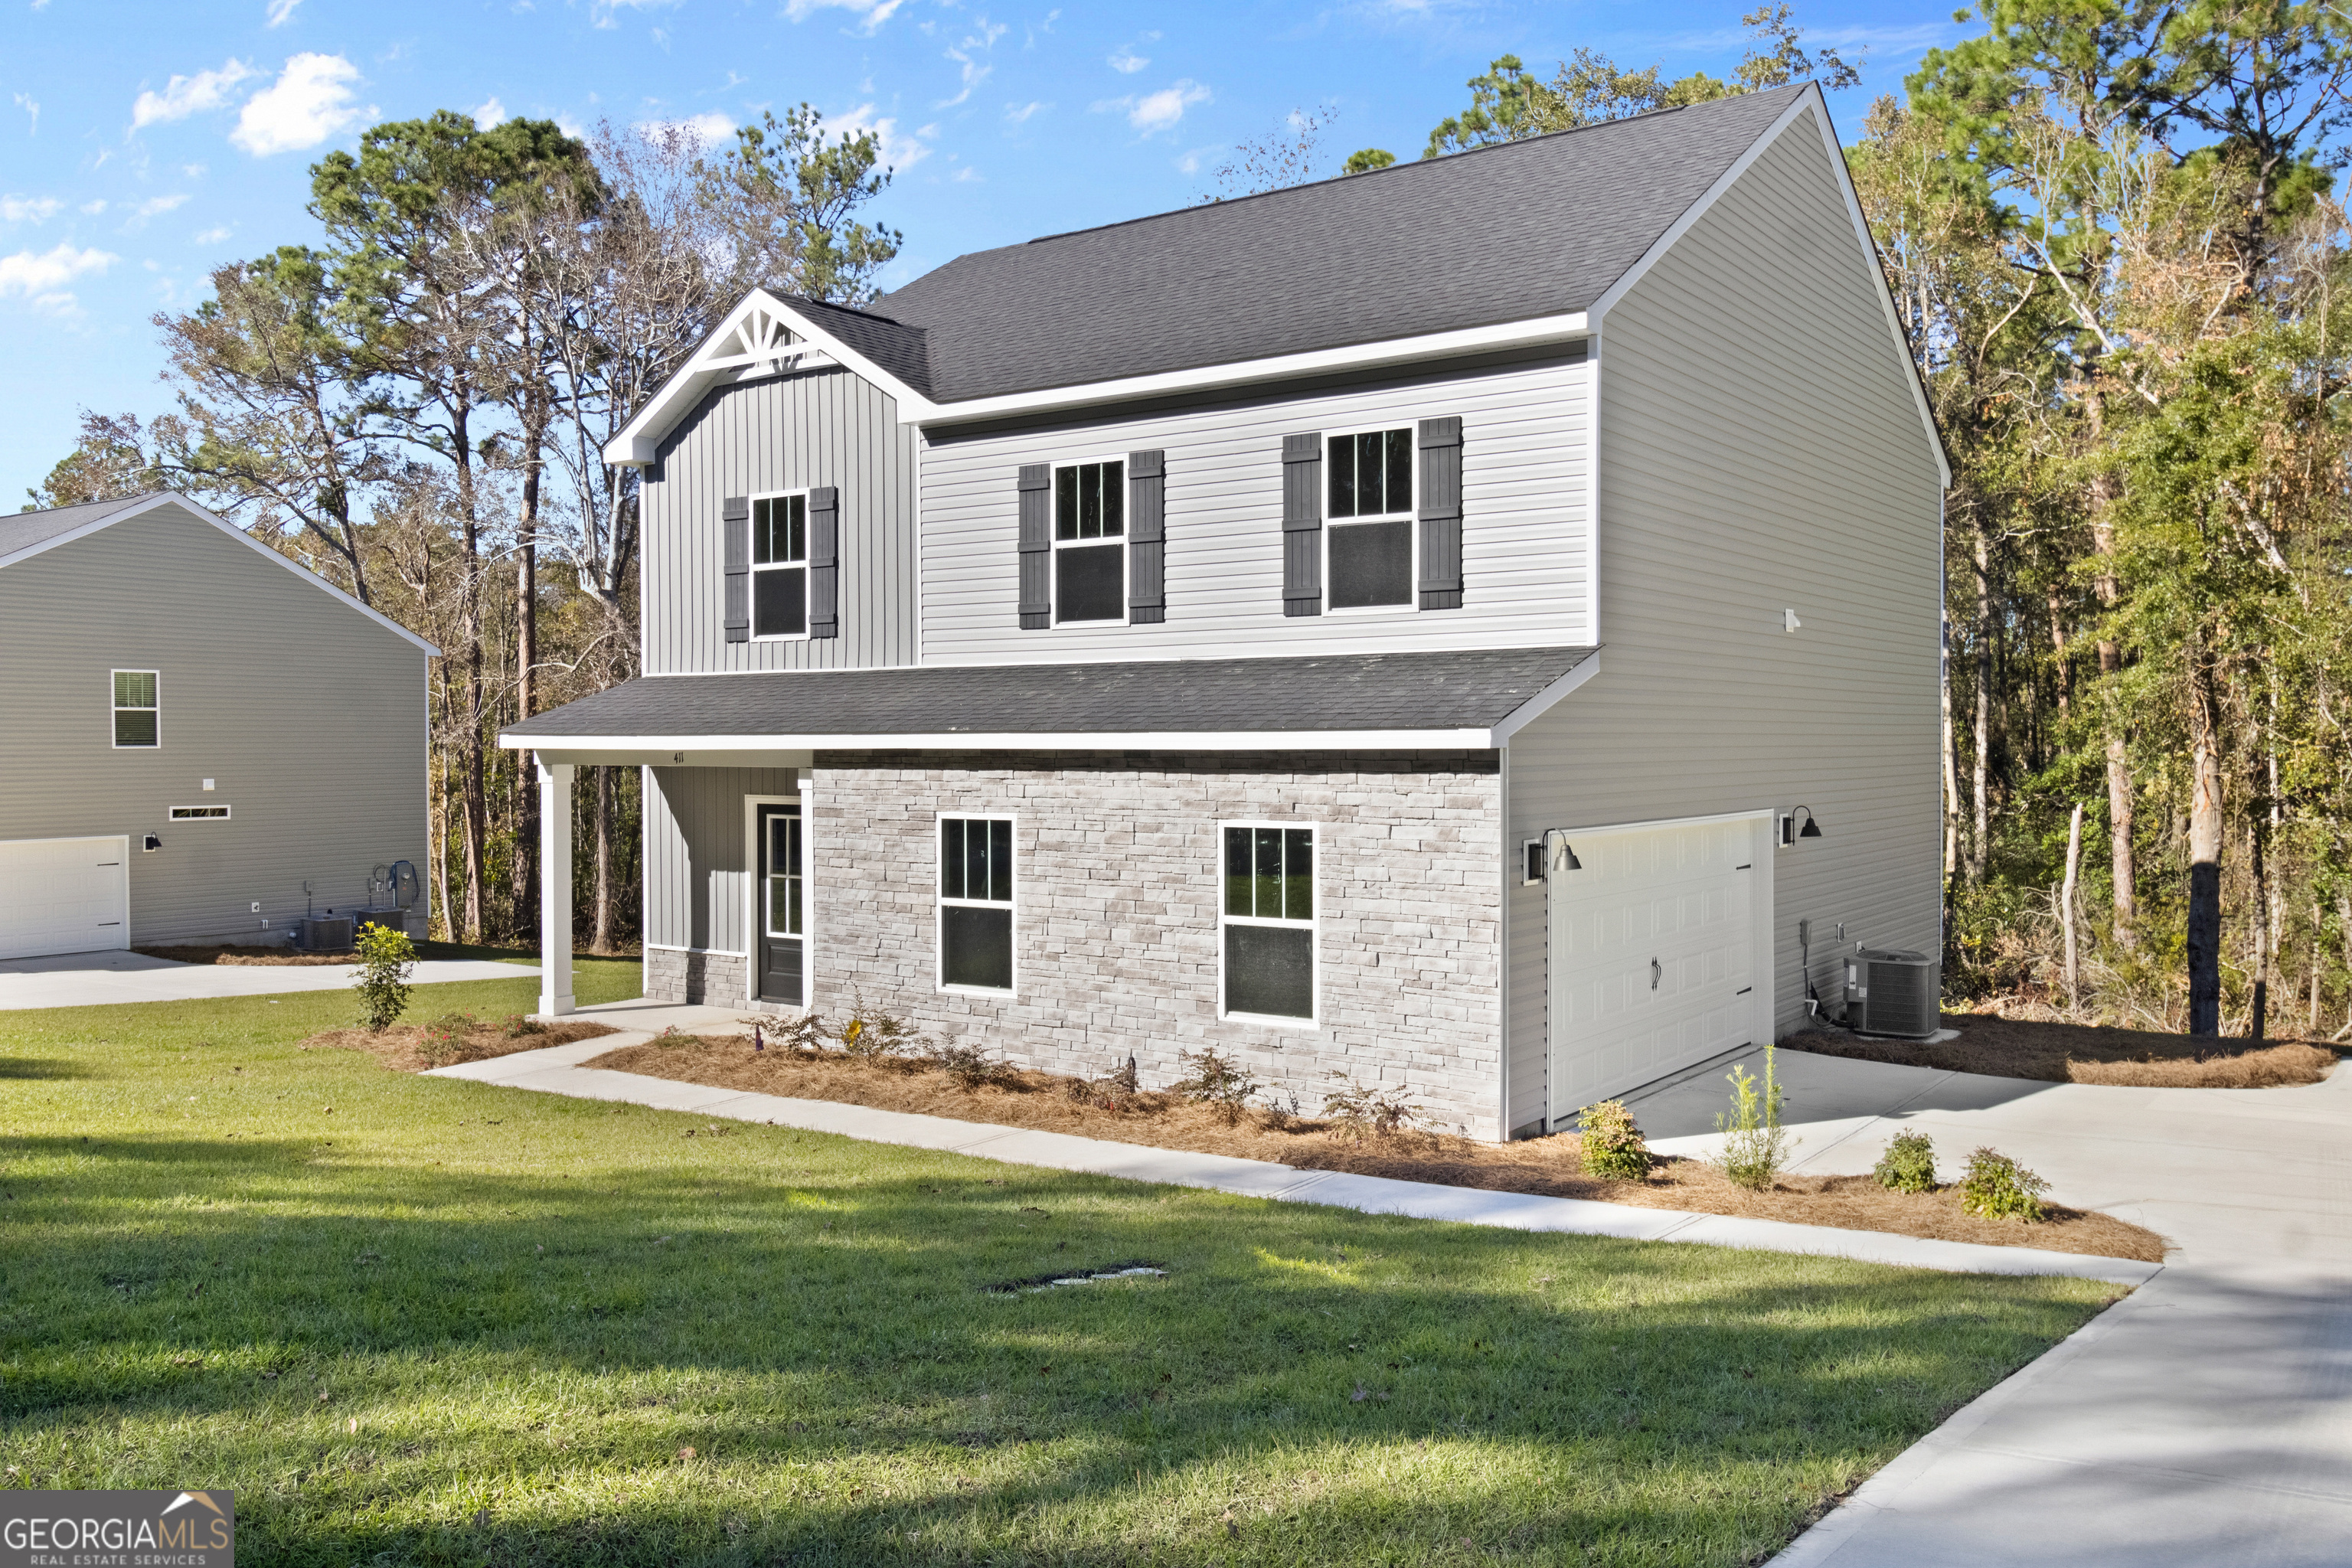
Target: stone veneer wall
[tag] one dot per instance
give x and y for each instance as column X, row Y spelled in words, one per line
column 678, row 975
column 1116, row 935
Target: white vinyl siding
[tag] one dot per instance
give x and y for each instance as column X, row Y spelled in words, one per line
column 1525, row 493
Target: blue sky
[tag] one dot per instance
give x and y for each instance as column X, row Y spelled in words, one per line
column 142, row 146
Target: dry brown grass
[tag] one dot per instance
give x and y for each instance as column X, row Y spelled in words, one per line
column 1546, row 1166
column 253, row 956
column 457, row 1038
column 2087, row 1053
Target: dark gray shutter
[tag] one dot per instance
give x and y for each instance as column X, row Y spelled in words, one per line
column 1302, row 525
column 824, row 562
column 1147, row 538
column 735, row 524
column 1036, row 547
column 1441, row 513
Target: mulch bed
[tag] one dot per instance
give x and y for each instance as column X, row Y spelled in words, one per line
column 2087, row 1053
column 1550, row 1167
column 256, row 956
column 452, row 1039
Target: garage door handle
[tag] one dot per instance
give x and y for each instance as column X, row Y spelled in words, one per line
column 1654, row 973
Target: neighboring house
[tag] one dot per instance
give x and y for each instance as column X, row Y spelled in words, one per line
column 205, row 741
column 1372, row 627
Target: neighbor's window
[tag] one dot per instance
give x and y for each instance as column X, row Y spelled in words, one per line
column 976, row 902
column 780, row 566
column 135, row 715
column 1269, row 920
column 1368, row 525
column 200, row 814
column 1090, row 542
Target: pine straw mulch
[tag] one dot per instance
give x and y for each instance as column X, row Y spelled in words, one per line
column 255, row 956
column 1548, row 1167
column 2088, row 1053
column 453, row 1038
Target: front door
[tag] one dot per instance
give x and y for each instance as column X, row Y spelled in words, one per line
column 782, row 935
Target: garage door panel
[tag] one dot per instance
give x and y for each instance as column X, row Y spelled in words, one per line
column 62, row 894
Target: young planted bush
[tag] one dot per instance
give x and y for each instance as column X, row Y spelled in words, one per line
column 1755, row 1146
column 445, row 1038
column 874, row 1033
column 971, row 1068
column 1909, row 1165
column 1216, row 1080
column 1116, row 1093
column 1998, row 1187
column 387, row 958
column 1612, row 1142
column 1362, row 1111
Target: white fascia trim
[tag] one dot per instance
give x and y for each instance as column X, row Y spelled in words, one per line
column 709, row 749
column 1536, row 707
column 152, row 502
column 1282, row 367
column 1811, row 99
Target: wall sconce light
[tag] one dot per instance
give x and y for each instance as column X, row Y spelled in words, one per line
column 1791, row 832
column 1563, row 854
column 149, row 844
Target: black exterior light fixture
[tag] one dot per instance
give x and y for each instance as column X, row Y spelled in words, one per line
column 1791, row 832
column 152, row 843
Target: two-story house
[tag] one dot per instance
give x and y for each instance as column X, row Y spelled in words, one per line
column 1446, row 625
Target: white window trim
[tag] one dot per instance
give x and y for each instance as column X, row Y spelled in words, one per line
column 111, row 710
column 754, row 895
column 940, row 901
column 1409, row 516
column 802, row 566
column 217, row 811
column 1126, row 563
column 1312, row 926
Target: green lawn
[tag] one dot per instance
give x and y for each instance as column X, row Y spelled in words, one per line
column 442, row 1322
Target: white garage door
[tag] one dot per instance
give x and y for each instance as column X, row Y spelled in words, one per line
column 63, row 895
column 1656, row 957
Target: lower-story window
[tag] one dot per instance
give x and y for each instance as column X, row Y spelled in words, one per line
column 1268, row 919
column 976, row 902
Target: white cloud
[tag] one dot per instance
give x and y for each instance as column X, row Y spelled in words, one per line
column 1126, row 62
column 490, row 113
column 32, row 105
column 211, row 236
column 282, row 11
column 975, row 70
column 42, row 279
column 1158, row 111
column 1020, row 113
column 155, row 206
column 967, row 175
column 710, row 131
column 28, row 209
column 871, row 14
column 94, row 208
column 187, row 95
column 310, row 102
column 900, row 152
column 601, row 13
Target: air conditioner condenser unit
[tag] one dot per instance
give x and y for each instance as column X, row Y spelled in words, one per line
column 1889, row 991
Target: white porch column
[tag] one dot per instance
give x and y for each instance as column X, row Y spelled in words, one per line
column 554, row 890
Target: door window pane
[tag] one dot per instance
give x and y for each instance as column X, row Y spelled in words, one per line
column 1371, row 563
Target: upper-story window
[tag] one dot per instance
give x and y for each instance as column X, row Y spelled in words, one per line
column 1368, row 536
column 137, row 711
column 780, row 566
column 1090, row 542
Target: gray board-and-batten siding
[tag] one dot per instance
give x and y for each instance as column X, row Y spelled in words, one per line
column 697, row 891
column 307, row 716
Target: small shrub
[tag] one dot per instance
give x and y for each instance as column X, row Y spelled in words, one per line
column 971, row 1068
column 1998, row 1187
column 1118, row 1094
column 1909, row 1165
column 1755, row 1146
column 444, row 1040
column 874, row 1033
column 1361, row 1111
column 517, row 1025
column 387, row 958
column 1613, row 1145
column 1217, row 1080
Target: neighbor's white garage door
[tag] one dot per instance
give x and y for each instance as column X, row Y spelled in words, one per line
column 63, row 895
column 1657, row 953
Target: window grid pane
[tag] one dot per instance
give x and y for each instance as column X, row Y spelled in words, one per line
column 1368, row 473
column 134, row 727
column 951, row 858
column 1298, row 874
column 1400, row 470
column 1342, row 458
column 1065, row 503
column 1114, row 499
column 134, row 689
column 1000, row 840
column 1237, row 871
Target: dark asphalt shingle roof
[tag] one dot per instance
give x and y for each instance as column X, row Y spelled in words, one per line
column 30, row 527
column 1448, row 691
column 1508, row 233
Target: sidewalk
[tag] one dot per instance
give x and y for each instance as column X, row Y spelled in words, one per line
column 95, row 979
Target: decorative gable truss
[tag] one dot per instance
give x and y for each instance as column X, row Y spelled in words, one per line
column 759, row 341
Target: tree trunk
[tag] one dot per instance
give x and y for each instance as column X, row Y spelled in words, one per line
column 2062, row 666
column 2204, row 845
column 2258, row 842
column 2066, row 907
column 2318, row 967
column 523, row 890
column 604, row 943
column 1980, row 837
column 2111, row 662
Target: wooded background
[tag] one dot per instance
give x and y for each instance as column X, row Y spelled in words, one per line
column 2111, row 233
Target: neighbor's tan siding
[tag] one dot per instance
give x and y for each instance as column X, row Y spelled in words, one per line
column 1759, row 449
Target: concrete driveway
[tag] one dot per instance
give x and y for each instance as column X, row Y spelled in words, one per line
column 2205, row 1420
column 89, row 979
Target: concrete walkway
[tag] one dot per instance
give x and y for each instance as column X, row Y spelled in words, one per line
column 91, row 979
column 2205, row 1420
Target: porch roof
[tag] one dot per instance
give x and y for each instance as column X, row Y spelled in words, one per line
column 1473, row 697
